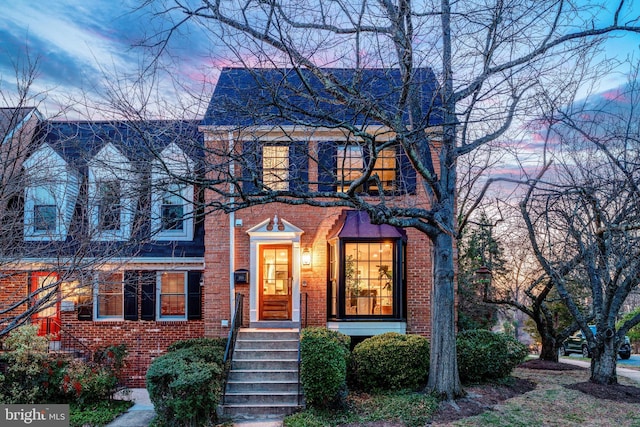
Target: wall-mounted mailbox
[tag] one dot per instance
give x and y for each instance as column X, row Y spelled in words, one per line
column 241, row 277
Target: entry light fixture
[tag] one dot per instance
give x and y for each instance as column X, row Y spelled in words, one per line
column 306, row 257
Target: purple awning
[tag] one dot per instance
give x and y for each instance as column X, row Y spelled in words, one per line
column 357, row 224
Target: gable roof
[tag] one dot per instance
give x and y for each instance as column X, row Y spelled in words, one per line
column 283, row 96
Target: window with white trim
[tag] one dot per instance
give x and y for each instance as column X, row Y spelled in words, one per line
column 172, row 295
column 109, row 296
column 109, row 205
column 172, row 216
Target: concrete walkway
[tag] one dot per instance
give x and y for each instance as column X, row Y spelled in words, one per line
column 141, row 413
column 632, row 374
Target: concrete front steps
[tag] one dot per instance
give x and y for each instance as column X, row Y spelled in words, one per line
column 263, row 380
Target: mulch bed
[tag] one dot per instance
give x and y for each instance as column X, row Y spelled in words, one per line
column 550, row 366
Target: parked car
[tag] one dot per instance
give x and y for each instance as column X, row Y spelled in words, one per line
column 577, row 343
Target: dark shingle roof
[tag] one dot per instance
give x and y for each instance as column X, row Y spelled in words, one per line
column 78, row 141
column 274, row 96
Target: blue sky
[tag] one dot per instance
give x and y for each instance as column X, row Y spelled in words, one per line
column 77, row 42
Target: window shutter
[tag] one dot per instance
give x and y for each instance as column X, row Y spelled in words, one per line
column 194, row 301
column 251, row 165
column 327, row 166
column 148, row 286
column 406, row 179
column 130, row 295
column 299, row 166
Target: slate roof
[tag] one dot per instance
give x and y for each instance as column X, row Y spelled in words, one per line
column 77, row 142
column 275, row 96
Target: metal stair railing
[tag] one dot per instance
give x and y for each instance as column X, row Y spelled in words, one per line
column 71, row 344
column 231, row 342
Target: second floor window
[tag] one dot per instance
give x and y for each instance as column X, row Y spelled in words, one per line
column 350, row 165
column 44, row 218
column 275, row 167
column 109, row 205
column 172, row 209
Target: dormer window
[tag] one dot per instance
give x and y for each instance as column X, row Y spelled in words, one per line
column 171, row 199
column 112, row 201
column 50, row 195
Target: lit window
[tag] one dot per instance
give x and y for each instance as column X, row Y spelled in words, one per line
column 172, row 300
column 109, row 296
column 350, row 165
column 109, row 207
column 385, row 168
column 275, row 167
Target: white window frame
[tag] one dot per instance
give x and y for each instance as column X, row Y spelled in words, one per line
column 166, row 172
column 109, row 164
column 185, row 282
column 96, row 297
column 185, row 194
column 275, row 167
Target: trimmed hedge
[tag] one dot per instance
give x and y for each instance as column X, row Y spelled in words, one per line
column 323, row 373
column 185, row 384
column 484, row 355
column 391, row 361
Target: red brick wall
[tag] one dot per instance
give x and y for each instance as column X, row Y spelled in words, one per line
column 13, row 289
column 145, row 340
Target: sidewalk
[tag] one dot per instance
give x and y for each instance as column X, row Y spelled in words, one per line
column 632, row 374
column 141, row 413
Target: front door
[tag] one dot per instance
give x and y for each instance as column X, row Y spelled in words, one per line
column 47, row 318
column 275, row 282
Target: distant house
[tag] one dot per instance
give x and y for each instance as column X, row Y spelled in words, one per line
column 112, row 249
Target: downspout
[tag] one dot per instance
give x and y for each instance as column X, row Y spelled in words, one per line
column 232, row 242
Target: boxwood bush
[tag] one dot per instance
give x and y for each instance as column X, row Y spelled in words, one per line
column 391, row 361
column 484, row 355
column 185, row 384
column 324, row 355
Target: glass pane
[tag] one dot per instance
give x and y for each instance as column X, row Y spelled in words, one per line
column 275, row 167
column 110, row 297
column 44, row 218
column 275, row 271
column 109, row 205
column 368, row 273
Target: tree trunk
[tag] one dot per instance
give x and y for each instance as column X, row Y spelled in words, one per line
column 603, row 365
column 549, row 351
column 443, row 370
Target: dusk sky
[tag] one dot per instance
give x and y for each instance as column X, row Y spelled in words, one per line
column 77, row 42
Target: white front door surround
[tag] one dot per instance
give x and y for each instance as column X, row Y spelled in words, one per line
column 274, row 231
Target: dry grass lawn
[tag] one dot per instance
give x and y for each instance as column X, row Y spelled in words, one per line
column 551, row 403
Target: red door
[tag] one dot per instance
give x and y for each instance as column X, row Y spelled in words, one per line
column 47, row 317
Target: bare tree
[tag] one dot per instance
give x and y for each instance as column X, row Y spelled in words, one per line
column 583, row 221
column 490, row 59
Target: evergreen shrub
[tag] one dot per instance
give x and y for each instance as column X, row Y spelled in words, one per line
column 324, row 356
column 484, row 355
column 391, row 361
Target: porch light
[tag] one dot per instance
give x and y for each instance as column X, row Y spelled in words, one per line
column 306, row 257
column 483, row 279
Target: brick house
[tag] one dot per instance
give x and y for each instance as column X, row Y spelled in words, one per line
column 115, row 245
column 297, row 264
column 111, row 248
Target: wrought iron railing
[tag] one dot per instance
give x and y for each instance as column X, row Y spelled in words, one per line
column 303, row 324
column 72, row 345
column 231, row 342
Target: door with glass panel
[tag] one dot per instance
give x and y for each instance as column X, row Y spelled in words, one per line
column 275, row 282
column 45, row 290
